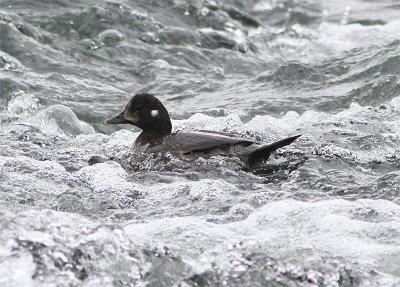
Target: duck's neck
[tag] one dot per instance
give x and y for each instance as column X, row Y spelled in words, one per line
column 149, row 138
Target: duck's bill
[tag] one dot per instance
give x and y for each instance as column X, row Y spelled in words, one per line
column 118, row 119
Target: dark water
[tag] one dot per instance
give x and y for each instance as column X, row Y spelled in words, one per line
column 323, row 212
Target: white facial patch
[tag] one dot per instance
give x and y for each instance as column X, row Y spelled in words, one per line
column 154, row 113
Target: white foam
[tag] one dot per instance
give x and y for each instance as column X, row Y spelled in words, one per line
column 30, row 175
column 107, row 177
column 363, row 231
column 311, row 45
column 17, row 271
column 22, row 104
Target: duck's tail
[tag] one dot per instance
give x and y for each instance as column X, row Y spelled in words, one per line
column 263, row 153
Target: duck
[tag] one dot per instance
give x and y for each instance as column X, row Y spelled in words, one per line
column 147, row 112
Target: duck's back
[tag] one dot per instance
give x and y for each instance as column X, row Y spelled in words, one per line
column 197, row 142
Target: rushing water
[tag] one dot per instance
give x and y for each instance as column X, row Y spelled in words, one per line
column 322, row 212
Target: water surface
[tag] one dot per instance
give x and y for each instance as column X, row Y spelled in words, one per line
column 322, row 212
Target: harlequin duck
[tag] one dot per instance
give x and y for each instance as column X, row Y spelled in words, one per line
column 148, row 113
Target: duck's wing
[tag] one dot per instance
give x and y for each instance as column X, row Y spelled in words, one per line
column 201, row 141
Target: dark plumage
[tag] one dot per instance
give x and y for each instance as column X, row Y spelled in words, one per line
column 148, row 113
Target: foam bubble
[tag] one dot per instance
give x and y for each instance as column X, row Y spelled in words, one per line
column 59, row 119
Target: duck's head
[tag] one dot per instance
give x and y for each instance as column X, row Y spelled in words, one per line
column 146, row 112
